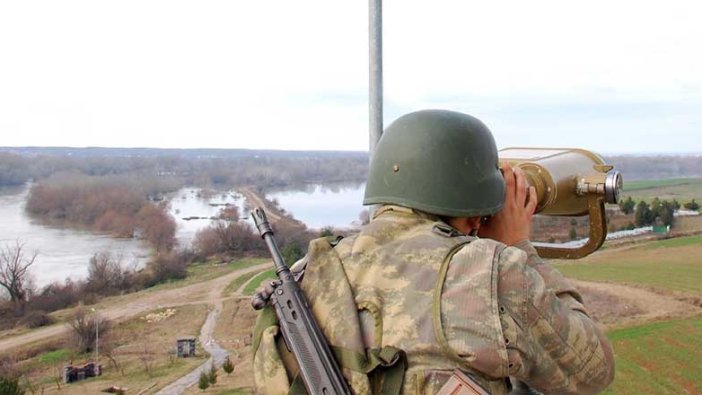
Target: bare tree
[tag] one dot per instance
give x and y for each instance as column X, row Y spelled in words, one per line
column 85, row 328
column 14, row 276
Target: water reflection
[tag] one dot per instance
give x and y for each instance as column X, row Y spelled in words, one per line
column 62, row 252
column 317, row 205
column 195, row 209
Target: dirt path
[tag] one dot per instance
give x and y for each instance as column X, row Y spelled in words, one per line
column 217, row 355
column 617, row 305
column 131, row 305
column 272, row 213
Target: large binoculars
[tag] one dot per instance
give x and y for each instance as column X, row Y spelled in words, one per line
column 569, row 182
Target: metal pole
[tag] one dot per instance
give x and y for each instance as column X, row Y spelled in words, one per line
column 375, row 10
column 97, row 339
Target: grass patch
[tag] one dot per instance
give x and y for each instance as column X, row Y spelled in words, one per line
column 56, row 356
column 675, row 242
column 237, row 283
column 204, row 271
column 658, row 358
column 673, row 264
column 256, row 281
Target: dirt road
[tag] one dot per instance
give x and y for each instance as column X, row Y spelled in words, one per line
column 131, row 305
column 272, row 213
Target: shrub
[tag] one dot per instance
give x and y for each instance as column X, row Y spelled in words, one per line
column 228, row 366
column 10, row 386
column 693, row 205
column 168, row 266
column 204, row 381
column 292, row 253
column 36, row 319
column 227, row 238
column 212, row 375
column 83, row 327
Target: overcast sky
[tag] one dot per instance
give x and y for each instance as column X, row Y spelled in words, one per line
column 612, row 76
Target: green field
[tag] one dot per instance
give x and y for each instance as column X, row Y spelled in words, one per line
column 658, row 358
column 674, row 264
column 682, row 189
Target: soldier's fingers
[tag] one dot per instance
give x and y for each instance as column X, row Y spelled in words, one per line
column 521, row 186
column 508, row 173
column 531, row 204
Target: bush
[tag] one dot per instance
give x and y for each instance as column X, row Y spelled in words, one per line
column 36, row 319
column 693, row 205
column 56, row 296
column 168, row 266
column 83, row 327
column 10, row 386
column 106, row 276
column 9, row 378
column 228, row 366
column 212, row 375
column 227, row 238
column 292, row 253
column 204, row 381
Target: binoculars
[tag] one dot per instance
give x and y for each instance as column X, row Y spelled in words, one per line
column 569, row 182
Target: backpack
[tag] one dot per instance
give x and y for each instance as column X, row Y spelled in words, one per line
column 367, row 371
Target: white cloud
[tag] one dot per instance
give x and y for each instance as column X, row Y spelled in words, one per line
column 293, row 75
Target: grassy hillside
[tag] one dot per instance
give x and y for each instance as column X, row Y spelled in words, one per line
column 674, row 264
column 659, row 358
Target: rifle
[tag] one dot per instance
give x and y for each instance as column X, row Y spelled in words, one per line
column 319, row 370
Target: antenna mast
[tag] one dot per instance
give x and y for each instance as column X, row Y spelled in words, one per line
column 375, row 43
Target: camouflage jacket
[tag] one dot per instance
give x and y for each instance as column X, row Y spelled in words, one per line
column 453, row 301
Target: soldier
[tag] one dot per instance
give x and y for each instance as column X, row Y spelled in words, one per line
column 444, row 277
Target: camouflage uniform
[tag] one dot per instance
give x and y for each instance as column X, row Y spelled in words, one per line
column 448, row 301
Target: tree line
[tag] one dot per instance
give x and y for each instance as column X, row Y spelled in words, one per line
column 659, row 211
column 270, row 170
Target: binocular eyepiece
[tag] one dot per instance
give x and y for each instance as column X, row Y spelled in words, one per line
column 569, row 182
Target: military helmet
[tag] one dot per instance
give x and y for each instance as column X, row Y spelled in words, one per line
column 440, row 162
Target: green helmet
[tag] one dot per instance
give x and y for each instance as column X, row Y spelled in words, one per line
column 440, row 162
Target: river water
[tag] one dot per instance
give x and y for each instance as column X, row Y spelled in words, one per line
column 194, row 209
column 316, row 205
column 64, row 253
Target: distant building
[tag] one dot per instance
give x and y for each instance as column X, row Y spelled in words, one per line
column 661, row 229
column 185, row 347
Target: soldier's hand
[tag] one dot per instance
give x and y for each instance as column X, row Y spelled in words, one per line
column 513, row 223
column 263, row 294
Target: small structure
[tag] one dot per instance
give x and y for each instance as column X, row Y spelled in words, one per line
column 663, row 229
column 185, row 347
column 77, row 373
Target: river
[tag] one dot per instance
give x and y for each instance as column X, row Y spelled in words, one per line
column 65, row 252
column 62, row 252
column 316, row 205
